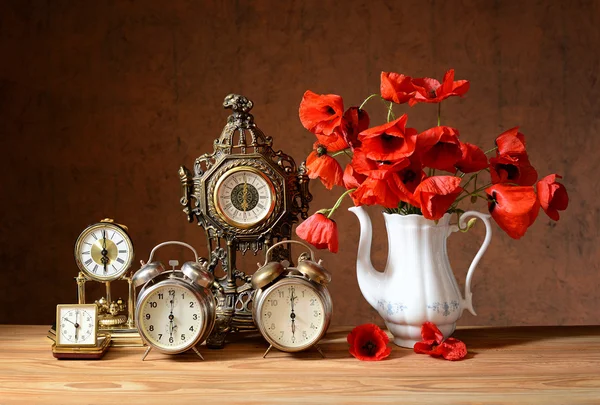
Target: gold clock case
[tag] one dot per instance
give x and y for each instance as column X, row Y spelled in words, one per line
column 90, row 307
column 219, row 209
column 292, row 279
column 242, row 146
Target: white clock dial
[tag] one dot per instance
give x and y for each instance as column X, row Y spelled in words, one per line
column 244, row 197
column 171, row 318
column 293, row 315
column 77, row 326
column 104, row 251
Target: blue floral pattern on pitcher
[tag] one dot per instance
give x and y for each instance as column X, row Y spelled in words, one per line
column 391, row 308
column 444, row 308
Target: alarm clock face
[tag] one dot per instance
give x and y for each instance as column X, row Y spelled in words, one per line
column 244, row 197
column 171, row 316
column 76, row 325
column 293, row 315
column 104, row 251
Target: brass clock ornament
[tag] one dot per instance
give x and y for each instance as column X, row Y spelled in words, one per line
column 246, row 196
column 77, row 334
column 175, row 310
column 292, row 305
column 104, row 253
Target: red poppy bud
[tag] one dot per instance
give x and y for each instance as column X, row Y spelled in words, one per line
column 319, row 231
column 514, row 208
column 369, row 343
column 552, row 195
column 436, row 194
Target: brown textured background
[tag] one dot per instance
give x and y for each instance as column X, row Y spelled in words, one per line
column 100, row 102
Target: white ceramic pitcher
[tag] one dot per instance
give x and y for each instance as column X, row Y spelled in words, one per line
column 418, row 284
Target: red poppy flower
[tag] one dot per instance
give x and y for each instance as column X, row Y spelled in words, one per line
column 512, row 169
column 412, row 174
column 552, row 195
column 382, row 185
column 319, row 231
column 333, row 143
column 439, row 148
column 321, row 114
column 436, row 194
column 321, row 165
column 433, row 344
column 354, row 122
column 396, row 87
column 514, row 208
column 431, row 91
column 473, row 159
column 363, row 164
column 387, row 192
column 389, row 142
column 369, row 343
column 352, row 179
column 511, row 143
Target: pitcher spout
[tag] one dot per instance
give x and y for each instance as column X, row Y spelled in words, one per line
column 369, row 280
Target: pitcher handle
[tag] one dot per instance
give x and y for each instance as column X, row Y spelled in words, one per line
column 468, row 301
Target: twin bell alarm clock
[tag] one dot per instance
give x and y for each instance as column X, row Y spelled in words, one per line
column 175, row 309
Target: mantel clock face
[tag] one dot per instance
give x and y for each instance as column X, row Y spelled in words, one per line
column 103, row 251
column 244, row 197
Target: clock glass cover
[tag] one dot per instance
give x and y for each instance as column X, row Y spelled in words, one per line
column 244, row 197
column 292, row 316
column 104, row 251
column 171, row 317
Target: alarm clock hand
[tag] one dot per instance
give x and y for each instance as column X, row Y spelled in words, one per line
column 104, row 252
column 293, row 315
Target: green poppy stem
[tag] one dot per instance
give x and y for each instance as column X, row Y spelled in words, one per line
column 339, row 202
column 367, row 99
column 439, row 114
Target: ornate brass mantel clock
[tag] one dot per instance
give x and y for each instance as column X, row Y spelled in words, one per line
column 247, row 197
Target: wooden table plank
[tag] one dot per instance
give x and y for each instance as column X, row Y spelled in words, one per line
column 551, row 365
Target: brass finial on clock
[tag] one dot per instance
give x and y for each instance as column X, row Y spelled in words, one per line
column 246, row 197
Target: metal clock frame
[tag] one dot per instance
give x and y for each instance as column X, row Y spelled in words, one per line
column 251, row 149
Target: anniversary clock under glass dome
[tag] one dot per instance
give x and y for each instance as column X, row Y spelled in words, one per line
column 247, row 197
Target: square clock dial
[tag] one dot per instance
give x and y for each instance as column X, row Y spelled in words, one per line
column 76, row 325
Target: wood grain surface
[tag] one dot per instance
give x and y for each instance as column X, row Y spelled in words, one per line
column 550, row 365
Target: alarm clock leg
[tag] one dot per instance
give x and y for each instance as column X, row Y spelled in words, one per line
column 197, row 352
column 320, row 351
column 267, row 352
column 147, row 351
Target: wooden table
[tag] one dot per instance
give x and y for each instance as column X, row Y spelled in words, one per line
column 549, row 365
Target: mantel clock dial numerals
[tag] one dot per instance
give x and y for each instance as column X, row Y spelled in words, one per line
column 104, row 252
column 244, row 197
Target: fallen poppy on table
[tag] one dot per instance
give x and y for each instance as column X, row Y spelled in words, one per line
column 369, row 343
column 433, row 344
